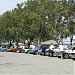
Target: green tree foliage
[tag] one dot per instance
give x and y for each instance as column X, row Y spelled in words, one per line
column 41, row 19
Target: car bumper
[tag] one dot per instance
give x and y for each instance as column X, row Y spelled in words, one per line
column 72, row 56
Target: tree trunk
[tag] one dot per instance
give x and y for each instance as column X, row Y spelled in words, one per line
column 71, row 39
column 10, row 44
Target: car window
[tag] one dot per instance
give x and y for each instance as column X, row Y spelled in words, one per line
column 73, row 48
column 26, row 48
column 69, row 48
column 56, row 47
column 2, row 47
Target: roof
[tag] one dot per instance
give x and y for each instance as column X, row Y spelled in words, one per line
column 49, row 42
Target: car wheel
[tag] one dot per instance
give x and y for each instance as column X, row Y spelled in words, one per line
column 54, row 54
column 28, row 52
column 36, row 53
column 66, row 56
column 50, row 54
column 46, row 53
column 73, row 58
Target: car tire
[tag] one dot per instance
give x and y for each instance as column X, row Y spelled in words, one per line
column 54, row 54
column 66, row 56
column 36, row 53
column 73, row 58
column 28, row 52
column 50, row 54
column 46, row 53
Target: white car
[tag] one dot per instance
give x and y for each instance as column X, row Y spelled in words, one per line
column 69, row 52
column 57, row 51
column 24, row 49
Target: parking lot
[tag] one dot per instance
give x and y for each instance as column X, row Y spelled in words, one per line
column 21, row 63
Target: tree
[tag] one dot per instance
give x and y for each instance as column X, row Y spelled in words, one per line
column 38, row 19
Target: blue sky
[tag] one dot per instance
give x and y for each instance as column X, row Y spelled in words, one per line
column 7, row 5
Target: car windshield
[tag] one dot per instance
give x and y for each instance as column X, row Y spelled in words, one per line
column 3, row 46
column 56, row 47
column 69, row 48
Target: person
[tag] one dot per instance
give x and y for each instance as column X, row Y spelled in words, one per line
column 61, row 47
column 51, row 46
column 36, row 50
column 51, row 49
column 43, row 47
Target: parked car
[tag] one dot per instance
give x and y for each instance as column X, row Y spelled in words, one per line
column 15, row 49
column 25, row 50
column 68, row 52
column 21, row 48
column 34, row 51
column 52, row 52
column 44, row 50
column 3, row 48
column 55, row 51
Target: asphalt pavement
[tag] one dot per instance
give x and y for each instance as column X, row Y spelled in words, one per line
column 27, row 64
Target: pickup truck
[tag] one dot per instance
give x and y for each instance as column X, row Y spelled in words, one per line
column 69, row 52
